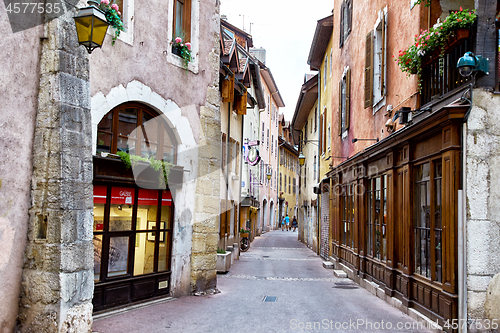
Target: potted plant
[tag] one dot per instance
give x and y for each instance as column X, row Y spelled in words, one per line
column 223, row 261
column 432, row 43
column 182, row 50
column 244, row 232
column 113, row 15
column 162, row 167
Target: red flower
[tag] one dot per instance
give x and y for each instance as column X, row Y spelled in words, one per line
column 459, row 20
column 461, row 9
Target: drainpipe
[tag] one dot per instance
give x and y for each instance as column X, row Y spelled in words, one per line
column 318, row 213
column 462, row 226
column 240, row 177
column 227, row 170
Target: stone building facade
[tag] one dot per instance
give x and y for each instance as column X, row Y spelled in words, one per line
column 60, row 161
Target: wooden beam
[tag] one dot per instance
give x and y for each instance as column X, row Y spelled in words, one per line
column 486, row 41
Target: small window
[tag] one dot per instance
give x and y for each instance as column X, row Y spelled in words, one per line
column 344, row 102
column 182, row 20
column 375, row 63
column 345, row 21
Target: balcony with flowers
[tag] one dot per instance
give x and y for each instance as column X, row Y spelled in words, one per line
column 435, row 52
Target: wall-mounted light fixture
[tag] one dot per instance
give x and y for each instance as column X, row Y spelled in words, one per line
column 302, row 158
column 269, row 174
column 470, row 63
column 356, row 140
column 91, row 26
column 335, row 157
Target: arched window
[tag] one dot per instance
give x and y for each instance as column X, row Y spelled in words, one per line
column 137, row 130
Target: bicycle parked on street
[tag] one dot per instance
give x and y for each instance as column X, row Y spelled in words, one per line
column 244, row 240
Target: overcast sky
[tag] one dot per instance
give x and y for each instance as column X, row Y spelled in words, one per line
column 285, row 29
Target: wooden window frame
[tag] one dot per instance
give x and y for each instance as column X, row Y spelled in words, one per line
column 435, row 271
column 186, row 20
column 141, row 109
column 131, row 234
column 344, row 103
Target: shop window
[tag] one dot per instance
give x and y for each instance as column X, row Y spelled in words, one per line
column 136, row 130
column 132, row 232
column 376, row 217
column 347, row 211
column 427, row 220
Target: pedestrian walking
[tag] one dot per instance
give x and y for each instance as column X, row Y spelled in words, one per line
column 287, row 222
column 294, row 223
column 283, row 224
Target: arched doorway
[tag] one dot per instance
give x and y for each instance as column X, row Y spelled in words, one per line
column 271, row 216
column 133, row 224
column 264, row 215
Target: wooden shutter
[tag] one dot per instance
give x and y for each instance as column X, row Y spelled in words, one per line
column 382, row 65
column 224, row 151
column 342, row 12
column 347, row 98
column 241, row 103
column 369, row 70
column 340, row 107
column 223, row 218
column 320, row 136
column 228, row 89
column 349, row 17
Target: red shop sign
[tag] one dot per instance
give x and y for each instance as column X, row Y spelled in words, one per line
column 99, row 194
column 166, row 198
column 122, row 196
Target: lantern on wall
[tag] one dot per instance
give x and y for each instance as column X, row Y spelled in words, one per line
column 91, row 26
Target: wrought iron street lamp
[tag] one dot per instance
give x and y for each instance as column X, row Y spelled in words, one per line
column 91, row 26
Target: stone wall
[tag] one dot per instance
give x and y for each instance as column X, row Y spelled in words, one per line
column 483, row 207
column 206, row 214
column 57, row 283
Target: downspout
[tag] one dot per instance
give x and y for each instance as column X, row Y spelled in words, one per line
column 318, row 196
column 462, row 225
column 227, row 170
column 240, row 176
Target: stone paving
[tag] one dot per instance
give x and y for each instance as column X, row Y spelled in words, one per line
column 279, row 285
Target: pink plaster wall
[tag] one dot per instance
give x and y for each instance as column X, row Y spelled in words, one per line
column 19, row 71
column 402, row 25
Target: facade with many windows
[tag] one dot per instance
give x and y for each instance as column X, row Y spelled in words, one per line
column 406, row 216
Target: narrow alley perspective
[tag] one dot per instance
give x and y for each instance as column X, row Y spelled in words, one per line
column 279, row 285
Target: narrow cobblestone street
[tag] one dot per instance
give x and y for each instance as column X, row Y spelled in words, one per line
column 276, row 265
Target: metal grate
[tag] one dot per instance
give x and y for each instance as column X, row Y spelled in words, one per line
column 346, row 285
column 265, row 256
column 271, row 299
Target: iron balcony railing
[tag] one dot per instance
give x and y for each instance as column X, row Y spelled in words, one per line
column 440, row 74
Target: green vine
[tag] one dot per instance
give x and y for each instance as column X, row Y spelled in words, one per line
column 427, row 2
column 157, row 165
column 221, row 251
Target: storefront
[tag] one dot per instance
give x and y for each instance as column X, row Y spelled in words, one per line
column 133, row 212
column 394, row 213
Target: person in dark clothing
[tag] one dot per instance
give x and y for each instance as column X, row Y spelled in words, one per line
column 294, row 223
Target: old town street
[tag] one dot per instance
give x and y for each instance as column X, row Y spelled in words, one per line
column 279, row 285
